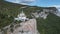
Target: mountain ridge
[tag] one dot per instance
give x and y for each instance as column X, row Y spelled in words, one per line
column 8, row 11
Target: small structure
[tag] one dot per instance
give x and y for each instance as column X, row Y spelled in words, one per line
column 21, row 17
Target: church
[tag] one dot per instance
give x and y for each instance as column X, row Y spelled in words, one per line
column 21, row 17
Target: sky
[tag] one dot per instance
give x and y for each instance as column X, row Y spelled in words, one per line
column 43, row 3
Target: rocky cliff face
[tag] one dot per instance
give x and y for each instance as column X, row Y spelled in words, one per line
column 58, row 12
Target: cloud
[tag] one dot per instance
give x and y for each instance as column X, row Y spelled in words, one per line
column 29, row 0
column 25, row 2
column 57, row 6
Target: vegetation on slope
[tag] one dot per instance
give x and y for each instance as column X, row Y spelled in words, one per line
column 49, row 26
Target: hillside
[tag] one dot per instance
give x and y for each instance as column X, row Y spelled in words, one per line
column 10, row 10
column 49, row 26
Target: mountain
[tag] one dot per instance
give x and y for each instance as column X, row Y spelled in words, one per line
column 58, row 7
column 8, row 11
column 58, row 14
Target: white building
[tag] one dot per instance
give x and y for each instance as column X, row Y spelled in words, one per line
column 21, row 17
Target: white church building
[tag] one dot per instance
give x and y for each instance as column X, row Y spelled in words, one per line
column 21, row 17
